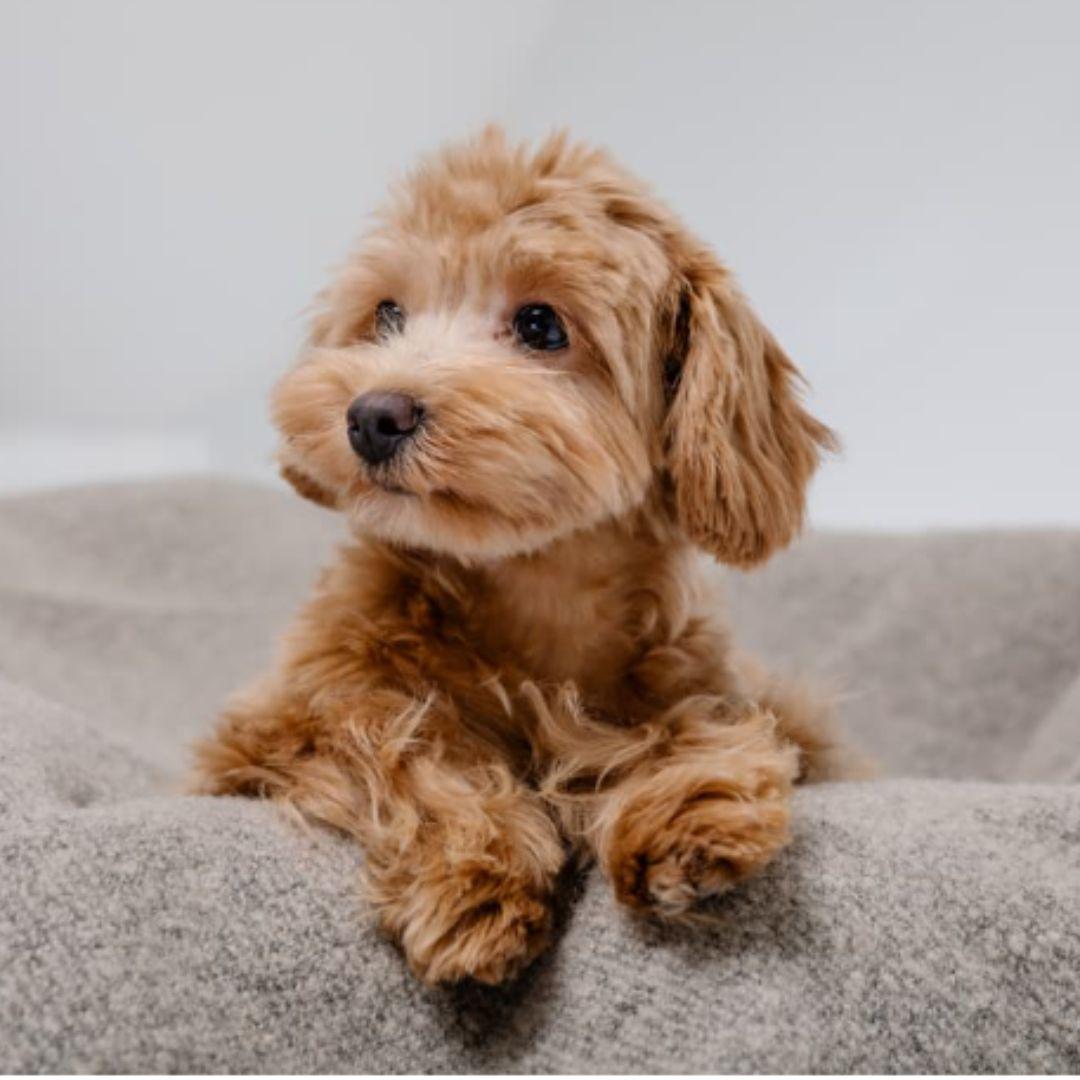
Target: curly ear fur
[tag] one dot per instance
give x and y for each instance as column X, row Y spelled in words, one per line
column 740, row 448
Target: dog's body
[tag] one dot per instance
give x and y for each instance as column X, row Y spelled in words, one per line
column 533, row 393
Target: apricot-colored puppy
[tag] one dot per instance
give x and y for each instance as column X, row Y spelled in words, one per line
column 533, row 393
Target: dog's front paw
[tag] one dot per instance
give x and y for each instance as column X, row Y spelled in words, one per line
column 665, row 863
column 479, row 929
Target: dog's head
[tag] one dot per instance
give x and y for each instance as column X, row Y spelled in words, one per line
column 528, row 344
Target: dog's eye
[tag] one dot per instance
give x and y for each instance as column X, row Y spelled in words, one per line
column 538, row 327
column 389, row 318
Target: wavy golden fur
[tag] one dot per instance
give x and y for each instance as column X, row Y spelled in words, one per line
column 516, row 656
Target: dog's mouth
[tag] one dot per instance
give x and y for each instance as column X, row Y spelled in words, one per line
column 372, row 483
column 391, row 488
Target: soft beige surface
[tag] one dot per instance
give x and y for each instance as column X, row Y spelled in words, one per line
column 957, row 654
column 915, row 924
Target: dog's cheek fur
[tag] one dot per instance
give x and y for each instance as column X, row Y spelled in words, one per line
column 308, row 407
column 513, row 457
column 309, row 488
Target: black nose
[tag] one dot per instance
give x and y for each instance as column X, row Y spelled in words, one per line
column 379, row 423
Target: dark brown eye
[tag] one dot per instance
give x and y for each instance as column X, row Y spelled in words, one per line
column 538, row 327
column 389, row 319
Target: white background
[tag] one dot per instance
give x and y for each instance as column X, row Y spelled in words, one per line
column 897, row 185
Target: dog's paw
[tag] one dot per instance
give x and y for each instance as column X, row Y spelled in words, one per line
column 486, row 932
column 668, row 866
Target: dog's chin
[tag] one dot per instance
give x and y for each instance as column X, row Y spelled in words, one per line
column 391, row 488
column 444, row 524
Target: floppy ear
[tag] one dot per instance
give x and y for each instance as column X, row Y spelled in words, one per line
column 310, row 489
column 740, row 449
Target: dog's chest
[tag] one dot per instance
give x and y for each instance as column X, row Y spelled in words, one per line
column 552, row 628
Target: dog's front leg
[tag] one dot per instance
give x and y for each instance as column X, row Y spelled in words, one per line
column 461, row 857
column 461, row 866
column 708, row 809
column 676, row 808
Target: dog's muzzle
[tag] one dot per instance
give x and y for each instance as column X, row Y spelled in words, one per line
column 378, row 424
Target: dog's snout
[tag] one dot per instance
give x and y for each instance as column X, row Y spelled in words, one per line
column 379, row 423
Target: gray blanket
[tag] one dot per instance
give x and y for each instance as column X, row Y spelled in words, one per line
column 929, row 921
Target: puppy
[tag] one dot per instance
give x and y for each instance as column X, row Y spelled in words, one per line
column 533, row 394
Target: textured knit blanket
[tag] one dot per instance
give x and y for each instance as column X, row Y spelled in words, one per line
column 927, row 921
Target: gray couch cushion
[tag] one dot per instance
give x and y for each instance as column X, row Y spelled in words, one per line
column 953, row 652
column 924, row 922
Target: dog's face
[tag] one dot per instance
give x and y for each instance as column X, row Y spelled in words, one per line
column 529, row 344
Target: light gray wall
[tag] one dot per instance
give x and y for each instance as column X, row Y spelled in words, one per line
column 897, row 184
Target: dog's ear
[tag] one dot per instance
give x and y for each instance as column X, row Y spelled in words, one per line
column 309, row 488
column 739, row 447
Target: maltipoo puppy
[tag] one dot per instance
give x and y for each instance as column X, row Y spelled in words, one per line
column 533, row 393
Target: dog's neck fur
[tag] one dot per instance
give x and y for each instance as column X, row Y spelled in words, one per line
column 582, row 609
column 577, row 609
